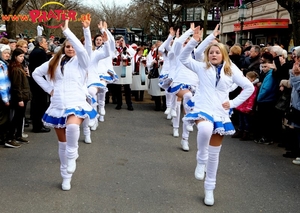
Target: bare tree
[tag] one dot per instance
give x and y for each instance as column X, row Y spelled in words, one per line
column 292, row 6
column 12, row 8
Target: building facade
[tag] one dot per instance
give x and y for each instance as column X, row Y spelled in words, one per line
column 266, row 23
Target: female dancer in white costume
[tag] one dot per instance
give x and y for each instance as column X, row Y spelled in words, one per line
column 164, row 78
column 216, row 74
column 66, row 73
column 100, row 72
column 183, row 85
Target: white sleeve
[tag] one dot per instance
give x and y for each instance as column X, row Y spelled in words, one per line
column 203, row 45
column 247, row 86
column 38, row 75
column 81, row 52
column 185, row 58
column 88, row 41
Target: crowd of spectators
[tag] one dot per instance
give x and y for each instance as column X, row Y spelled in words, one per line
column 18, row 59
column 266, row 119
column 263, row 119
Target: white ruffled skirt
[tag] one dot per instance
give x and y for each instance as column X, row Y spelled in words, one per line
column 222, row 125
column 57, row 118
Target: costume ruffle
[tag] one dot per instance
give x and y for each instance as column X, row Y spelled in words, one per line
column 222, row 125
column 56, row 118
column 178, row 87
column 190, row 105
column 101, row 86
column 109, row 78
column 164, row 81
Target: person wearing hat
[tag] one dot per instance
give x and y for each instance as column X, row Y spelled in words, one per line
column 5, row 97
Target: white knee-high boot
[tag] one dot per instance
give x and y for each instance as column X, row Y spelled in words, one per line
column 169, row 100
column 205, row 129
column 93, row 92
column 176, row 119
column 72, row 135
column 186, row 97
column 185, row 137
column 101, row 102
column 86, row 131
column 173, row 105
column 211, row 174
column 212, row 167
column 168, row 103
column 66, row 184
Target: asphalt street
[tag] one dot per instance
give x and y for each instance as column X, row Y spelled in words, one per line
column 134, row 165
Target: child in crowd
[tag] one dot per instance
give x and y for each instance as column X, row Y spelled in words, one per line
column 266, row 100
column 245, row 110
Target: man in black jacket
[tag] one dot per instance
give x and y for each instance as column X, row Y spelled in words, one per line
column 252, row 62
column 40, row 99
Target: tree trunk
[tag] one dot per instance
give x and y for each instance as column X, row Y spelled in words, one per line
column 205, row 21
column 295, row 18
column 11, row 29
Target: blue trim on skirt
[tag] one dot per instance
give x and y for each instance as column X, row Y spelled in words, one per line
column 178, row 87
column 61, row 121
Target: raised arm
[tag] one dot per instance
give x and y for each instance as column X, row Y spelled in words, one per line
column 166, row 44
column 102, row 52
column 87, row 37
column 178, row 44
column 81, row 52
column 184, row 56
column 201, row 48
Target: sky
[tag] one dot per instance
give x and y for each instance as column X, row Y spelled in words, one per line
column 109, row 2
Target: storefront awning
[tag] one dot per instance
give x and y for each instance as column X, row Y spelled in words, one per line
column 263, row 24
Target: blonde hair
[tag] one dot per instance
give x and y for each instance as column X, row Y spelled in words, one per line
column 252, row 74
column 225, row 57
column 235, row 50
column 21, row 42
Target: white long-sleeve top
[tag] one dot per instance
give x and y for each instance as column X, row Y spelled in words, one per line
column 182, row 74
column 68, row 87
column 208, row 97
column 165, row 46
column 100, row 59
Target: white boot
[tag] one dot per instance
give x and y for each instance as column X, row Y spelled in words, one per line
column 211, row 174
column 86, row 131
column 66, row 184
column 209, row 197
column 71, row 165
column 101, row 118
column 87, row 139
column 168, row 110
column 185, row 145
column 72, row 135
column 102, row 111
column 175, row 132
column 200, row 171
